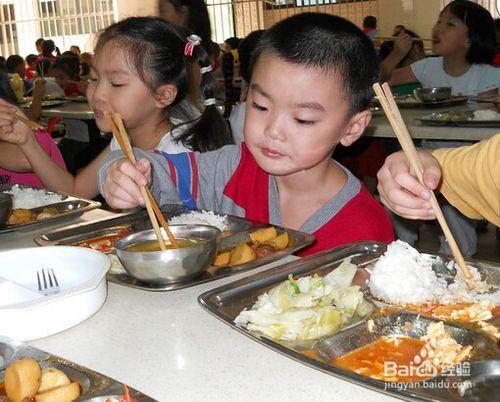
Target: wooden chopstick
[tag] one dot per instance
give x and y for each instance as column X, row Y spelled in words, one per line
column 152, row 207
column 29, row 123
column 391, row 109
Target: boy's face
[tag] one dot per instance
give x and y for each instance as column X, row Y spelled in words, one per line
column 60, row 76
column 295, row 116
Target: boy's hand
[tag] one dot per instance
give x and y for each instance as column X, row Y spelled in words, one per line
column 400, row 190
column 123, row 183
column 11, row 129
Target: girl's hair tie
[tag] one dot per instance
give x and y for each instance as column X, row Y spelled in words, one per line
column 210, row 101
column 192, row 41
column 206, row 69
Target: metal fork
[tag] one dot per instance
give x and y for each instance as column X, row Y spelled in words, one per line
column 47, row 282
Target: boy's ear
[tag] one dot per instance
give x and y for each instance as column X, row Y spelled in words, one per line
column 165, row 95
column 355, row 127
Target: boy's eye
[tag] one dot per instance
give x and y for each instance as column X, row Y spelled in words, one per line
column 258, row 107
column 304, row 122
column 116, row 85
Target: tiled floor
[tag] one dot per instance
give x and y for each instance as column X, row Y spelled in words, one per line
column 488, row 244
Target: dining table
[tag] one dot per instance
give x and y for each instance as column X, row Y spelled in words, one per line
column 69, row 110
column 165, row 345
column 379, row 126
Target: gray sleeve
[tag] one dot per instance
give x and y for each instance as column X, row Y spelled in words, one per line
column 161, row 187
column 215, row 169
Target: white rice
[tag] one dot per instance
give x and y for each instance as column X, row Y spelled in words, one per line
column 486, row 114
column 403, row 275
column 201, row 218
column 28, row 198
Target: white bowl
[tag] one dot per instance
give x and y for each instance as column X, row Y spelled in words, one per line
column 25, row 313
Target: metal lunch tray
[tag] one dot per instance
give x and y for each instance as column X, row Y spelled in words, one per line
column 138, row 221
column 227, row 301
column 70, row 207
column 460, row 118
column 95, row 386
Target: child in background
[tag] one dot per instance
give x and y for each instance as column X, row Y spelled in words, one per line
column 245, row 50
column 66, row 71
column 31, row 60
column 231, row 45
column 283, row 173
column 464, row 39
column 140, row 71
column 370, row 27
column 75, row 50
column 15, row 65
column 14, row 166
column 48, row 49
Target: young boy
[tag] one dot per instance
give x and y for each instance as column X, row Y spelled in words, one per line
column 310, row 89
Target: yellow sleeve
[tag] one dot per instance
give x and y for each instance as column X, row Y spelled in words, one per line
column 471, row 178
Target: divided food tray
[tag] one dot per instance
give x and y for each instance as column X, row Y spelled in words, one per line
column 240, row 229
column 227, row 301
column 95, row 387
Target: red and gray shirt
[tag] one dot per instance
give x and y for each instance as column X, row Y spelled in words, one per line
column 229, row 181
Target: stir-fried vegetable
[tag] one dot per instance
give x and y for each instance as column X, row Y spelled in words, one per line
column 309, row 307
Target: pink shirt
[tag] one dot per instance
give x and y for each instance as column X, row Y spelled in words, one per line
column 29, row 178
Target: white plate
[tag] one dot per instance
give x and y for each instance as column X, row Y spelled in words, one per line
column 25, row 313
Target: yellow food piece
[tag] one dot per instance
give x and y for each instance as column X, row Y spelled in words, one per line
column 22, row 379
column 222, row 259
column 52, row 378
column 64, row 393
column 242, row 254
column 280, row 242
column 263, row 235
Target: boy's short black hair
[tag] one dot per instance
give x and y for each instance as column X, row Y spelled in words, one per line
column 370, row 22
column 13, row 62
column 245, row 49
column 39, row 41
column 481, row 29
column 67, row 64
column 330, row 43
column 31, row 58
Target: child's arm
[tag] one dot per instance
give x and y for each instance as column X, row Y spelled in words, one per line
column 388, row 70
column 400, row 190
column 13, row 159
column 35, row 108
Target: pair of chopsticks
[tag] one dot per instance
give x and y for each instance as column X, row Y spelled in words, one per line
column 152, row 207
column 392, row 112
column 29, row 123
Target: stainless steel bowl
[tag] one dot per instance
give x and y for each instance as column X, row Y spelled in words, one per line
column 432, row 94
column 174, row 265
column 5, row 207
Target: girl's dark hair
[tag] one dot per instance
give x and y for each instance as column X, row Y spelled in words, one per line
column 155, row 50
column 233, row 42
column 68, row 65
column 481, row 30
column 197, row 18
column 330, row 43
column 6, row 91
column 48, row 47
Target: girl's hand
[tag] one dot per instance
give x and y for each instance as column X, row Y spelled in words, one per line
column 11, row 129
column 400, row 190
column 123, row 183
column 39, row 87
column 403, row 44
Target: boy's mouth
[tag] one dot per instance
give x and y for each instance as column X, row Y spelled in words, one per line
column 271, row 153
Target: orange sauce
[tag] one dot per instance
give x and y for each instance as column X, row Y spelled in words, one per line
column 369, row 360
column 311, row 354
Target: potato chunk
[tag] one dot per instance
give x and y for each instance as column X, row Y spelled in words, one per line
column 263, row 235
column 52, row 378
column 280, row 242
column 22, row 379
column 64, row 393
column 242, row 254
column 222, row 259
